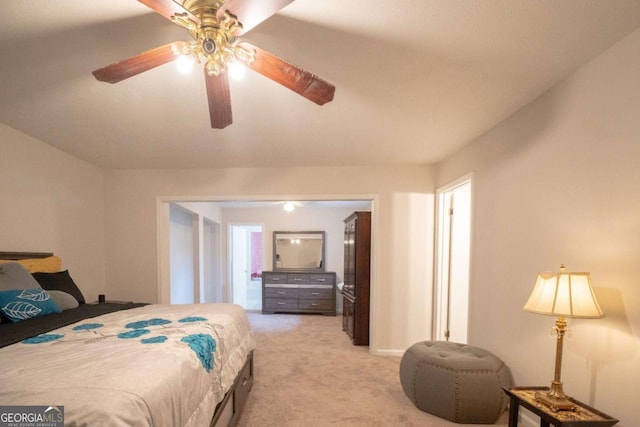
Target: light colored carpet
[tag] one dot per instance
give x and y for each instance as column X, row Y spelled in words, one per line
column 307, row 373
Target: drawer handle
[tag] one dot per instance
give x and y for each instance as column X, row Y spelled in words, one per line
column 281, row 292
column 321, row 280
column 282, row 303
column 275, row 279
column 245, row 381
column 315, row 293
column 297, row 280
column 315, row 304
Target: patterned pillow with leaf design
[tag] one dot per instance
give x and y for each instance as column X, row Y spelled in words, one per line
column 22, row 304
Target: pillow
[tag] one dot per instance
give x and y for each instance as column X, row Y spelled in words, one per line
column 46, row 265
column 15, row 276
column 22, row 304
column 63, row 300
column 60, row 281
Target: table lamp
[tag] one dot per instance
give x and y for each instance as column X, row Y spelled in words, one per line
column 563, row 294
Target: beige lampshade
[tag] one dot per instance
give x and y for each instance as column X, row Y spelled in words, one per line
column 566, row 294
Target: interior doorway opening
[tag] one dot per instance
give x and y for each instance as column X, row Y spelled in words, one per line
column 211, row 221
column 247, row 258
column 453, row 250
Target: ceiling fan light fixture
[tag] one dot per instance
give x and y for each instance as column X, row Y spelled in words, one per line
column 217, row 43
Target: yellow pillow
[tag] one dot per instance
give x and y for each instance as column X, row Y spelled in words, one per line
column 52, row 264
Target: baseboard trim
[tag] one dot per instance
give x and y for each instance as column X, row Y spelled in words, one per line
column 394, row 353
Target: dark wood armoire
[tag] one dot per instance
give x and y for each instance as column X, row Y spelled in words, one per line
column 357, row 271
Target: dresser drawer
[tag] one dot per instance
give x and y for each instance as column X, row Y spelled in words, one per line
column 316, row 293
column 297, row 278
column 315, row 304
column 275, row 278
column 321, row 279
column 276, row 304
column 280, row 292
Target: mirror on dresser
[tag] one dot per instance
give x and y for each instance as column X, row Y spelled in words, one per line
column 298, row 251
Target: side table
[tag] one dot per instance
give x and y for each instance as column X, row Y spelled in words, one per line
column 583, row 416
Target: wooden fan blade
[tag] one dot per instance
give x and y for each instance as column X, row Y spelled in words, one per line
column 295, row 78
column 219, row 98
column 169, row 9
column 137, row 64
column 252, row 12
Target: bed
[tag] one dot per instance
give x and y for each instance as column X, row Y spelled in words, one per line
column 122, row 364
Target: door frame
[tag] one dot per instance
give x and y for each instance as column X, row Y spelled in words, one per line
column 439, row 303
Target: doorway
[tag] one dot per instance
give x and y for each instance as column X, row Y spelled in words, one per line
column 453, row 248
column 246, row 249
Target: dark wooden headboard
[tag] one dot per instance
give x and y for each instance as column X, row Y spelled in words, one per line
column 24, row 255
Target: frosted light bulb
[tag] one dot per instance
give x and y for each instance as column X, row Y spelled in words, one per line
column 184, row 64
column 237, row 70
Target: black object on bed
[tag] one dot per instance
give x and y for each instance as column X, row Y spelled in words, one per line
column 11, row 333
column 59, row 281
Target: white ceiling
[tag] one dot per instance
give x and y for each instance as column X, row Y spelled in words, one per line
column 415, row 79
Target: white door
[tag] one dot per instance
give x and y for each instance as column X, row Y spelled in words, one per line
column 452, row 267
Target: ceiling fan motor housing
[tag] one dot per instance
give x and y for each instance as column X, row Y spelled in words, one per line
column 209, row 46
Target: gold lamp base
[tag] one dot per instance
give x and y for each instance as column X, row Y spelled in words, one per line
column 555, row 398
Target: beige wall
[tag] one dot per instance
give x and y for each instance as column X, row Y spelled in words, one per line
column 559, row 182
column 52, row 202
column 403, row 230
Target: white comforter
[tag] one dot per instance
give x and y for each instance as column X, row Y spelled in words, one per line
column 148, row 366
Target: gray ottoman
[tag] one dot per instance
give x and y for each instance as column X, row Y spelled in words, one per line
column 458, row 382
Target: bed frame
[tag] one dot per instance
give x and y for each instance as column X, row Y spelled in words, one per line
column 228, row 411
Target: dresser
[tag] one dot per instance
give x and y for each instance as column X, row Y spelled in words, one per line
column 289, row 292
column 357, row 270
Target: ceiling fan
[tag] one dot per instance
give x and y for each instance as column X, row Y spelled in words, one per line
column 215, row 27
